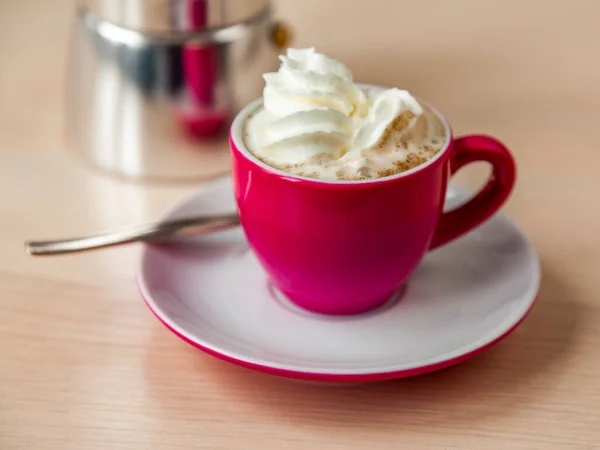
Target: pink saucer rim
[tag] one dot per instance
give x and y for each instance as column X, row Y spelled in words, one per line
column 333, row 377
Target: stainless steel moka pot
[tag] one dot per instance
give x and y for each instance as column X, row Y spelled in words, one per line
column 154, row 84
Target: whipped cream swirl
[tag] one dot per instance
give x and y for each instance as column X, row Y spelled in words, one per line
column 312, row 108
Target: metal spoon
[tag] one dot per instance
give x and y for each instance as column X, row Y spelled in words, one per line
column 148, row 233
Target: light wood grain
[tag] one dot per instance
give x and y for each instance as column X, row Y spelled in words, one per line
column 84, row 365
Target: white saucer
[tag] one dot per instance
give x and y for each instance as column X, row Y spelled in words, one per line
column 465, row 297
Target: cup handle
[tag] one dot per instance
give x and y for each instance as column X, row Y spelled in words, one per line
column 468, row 149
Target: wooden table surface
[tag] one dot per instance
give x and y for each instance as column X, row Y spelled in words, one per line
column 84, row 364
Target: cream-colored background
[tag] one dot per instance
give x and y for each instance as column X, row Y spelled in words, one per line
column 84, row 365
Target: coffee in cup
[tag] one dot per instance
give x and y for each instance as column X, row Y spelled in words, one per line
column 340, row 187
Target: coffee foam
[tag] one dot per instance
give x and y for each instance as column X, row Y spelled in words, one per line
column 406, row 143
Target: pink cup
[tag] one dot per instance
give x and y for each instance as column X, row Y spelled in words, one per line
column 345, row 247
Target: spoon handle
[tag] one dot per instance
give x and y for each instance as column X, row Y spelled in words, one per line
column 148, row 233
